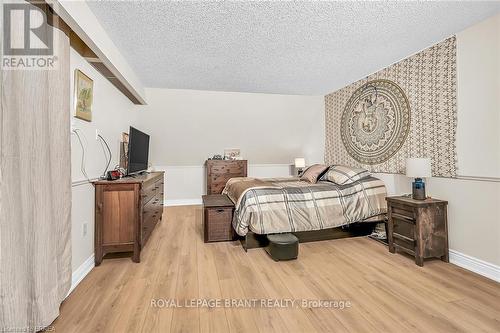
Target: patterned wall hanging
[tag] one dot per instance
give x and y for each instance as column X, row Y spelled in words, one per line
column 405, row 110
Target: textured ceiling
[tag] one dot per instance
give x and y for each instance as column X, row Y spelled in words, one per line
column 276, row 47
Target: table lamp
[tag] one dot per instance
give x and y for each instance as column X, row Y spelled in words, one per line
column 418, row 168
column 300, row 164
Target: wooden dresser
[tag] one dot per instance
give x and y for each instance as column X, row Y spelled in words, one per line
column 220, row 171
column 126, row 213
column 418, row 227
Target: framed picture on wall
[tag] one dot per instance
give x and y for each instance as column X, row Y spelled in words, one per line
column 84, row 91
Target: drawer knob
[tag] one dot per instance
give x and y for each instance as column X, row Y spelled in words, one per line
column 220, row 210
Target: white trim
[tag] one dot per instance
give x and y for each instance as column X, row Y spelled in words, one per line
column 81, row 272
column 270, row 165
column 160, row 166
column 475, row 265
column 182, row 202
column 479, row 178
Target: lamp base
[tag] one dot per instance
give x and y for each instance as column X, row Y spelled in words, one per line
column 418, row 189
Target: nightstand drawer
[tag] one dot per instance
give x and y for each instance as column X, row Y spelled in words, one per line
column 402, row 227
column 404, row 241
column 405, row 214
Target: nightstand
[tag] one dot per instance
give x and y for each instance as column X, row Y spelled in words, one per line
column 418, row 227
column 217, row 218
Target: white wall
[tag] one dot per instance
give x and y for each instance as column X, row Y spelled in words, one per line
column 112, row 113
column 187, row 126
column 184, row 185
column 84, row 23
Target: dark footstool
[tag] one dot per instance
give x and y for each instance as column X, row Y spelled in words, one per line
column 283, row 246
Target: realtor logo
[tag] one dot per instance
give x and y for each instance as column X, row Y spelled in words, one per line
column 36, row 39
column 28, row 41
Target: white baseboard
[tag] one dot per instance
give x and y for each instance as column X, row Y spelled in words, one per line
column 475, row 265
column 182, row 202
column 81, row 272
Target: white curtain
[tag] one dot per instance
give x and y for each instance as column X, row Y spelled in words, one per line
column 35, row 192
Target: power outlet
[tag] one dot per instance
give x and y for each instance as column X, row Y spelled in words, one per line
column 97, row 133
column 85, row 228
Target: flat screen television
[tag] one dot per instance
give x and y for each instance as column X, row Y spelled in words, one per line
column 138, row 151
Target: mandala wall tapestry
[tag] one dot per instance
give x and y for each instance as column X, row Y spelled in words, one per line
column 405, row 110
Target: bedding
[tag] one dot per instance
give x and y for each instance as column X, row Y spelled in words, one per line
column 343, row 175
column 313, row 173
column 276, row 205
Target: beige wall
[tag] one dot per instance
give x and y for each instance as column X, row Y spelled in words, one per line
column 474, row 205
column 478, row 98
column 112, row 114
column 187, row 126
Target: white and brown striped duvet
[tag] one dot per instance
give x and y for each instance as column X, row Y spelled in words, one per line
column 275, row 205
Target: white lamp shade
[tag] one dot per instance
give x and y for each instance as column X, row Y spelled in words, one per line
column 300, row 162
column 418, row 167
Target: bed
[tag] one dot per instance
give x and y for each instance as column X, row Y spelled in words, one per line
column 313, row 211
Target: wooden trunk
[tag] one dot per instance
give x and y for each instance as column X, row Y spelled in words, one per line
column 217, row 218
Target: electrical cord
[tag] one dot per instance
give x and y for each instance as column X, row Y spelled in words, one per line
column 110, row 155
column 105, row 152
column 82, row 164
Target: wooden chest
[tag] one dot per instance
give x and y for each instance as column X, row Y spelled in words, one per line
column 418, row 227
column 217, row 218
column 220, row 171
column 126, row 213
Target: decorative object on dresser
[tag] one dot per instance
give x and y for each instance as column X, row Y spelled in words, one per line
column 126, row 212
column 232, row 154
column 220, row 171
column 217, row 218
column 418, row 168
column 418, row 227
column 300, row 164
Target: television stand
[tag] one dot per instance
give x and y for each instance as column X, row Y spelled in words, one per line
column 126, row 213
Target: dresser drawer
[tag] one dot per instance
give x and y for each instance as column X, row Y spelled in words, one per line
column 235, row 168
column 151, row 190
column 219, row 182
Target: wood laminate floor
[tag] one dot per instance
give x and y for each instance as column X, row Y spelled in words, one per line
column 388, row 292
